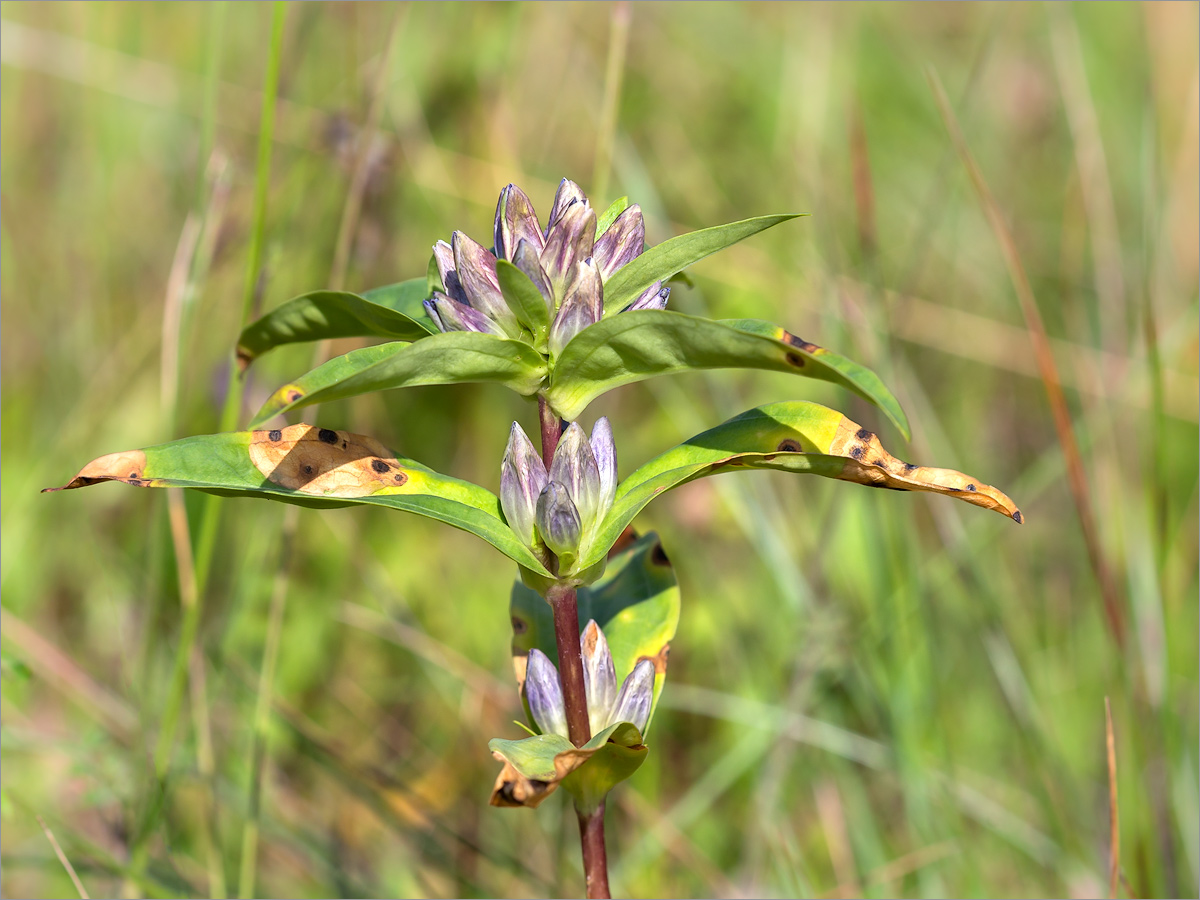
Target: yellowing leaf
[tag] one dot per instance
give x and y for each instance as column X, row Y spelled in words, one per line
column 324, row 462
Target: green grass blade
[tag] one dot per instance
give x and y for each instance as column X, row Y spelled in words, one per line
column 320, row 315
column 313, row 467
column 639, row 345
column 450, row 358
column 666, row 259
column 799, row 437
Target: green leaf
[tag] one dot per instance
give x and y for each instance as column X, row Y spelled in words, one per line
column 638, row 345
column 313, row 467
column 635, row 603
column 393, row 312
column 524, row 299
column 662, row 261
column 535, row 766
column 610, row 215
column 450, row 358
column 799, row 437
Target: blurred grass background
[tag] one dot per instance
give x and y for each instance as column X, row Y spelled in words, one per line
column 871, row 693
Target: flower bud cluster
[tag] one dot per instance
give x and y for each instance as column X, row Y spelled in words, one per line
column 560, row 509
column 606, row 706
column 566, row 262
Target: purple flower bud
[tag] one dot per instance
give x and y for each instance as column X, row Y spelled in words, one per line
column 515, row 222
column 574, row 467
column 567, row 195
column 583, row 306
column 522, row 477
column 526, row 259
column 599, row 677
column 476, row 270
column 568, row 242
column 636, row 698
column 444, row 256
column 605, row 452
column 557, row 522
column 654, row 297
column 621, row 243
column 450, row 315
column 544, row 693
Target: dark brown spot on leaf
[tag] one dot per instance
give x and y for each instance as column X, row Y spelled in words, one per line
column 399, row 478
column 794, row 360
column 658, row 555
column 858, row 452
column 970, row 487
column 327, row 436
column 308, row 470
column 275, row 434
column 1018, row 518
column 519, row 625
column 863, row 434
column 293, row 396
column 379, row 466
column 800, row 342
column 909, row 467
column 787, row 445
column 627, row 537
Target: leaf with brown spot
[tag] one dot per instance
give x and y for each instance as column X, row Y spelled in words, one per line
column 313, row 467
column 535, row 766
column 300, row 459
column 800, row 437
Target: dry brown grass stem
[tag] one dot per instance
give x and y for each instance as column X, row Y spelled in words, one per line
column 1047, row 368
column 62, row 858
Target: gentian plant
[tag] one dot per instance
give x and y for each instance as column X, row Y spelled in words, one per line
column 559, row 314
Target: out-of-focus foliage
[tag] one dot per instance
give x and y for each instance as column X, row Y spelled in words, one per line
column 870, row 692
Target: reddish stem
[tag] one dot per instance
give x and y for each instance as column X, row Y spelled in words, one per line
column 570, row 674
column 595, row 857
column 570, row 663
column 552, row 429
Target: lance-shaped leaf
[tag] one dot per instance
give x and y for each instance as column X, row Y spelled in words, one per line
column 659, row 263
column 536, row 766
column 800, row 437
column 635, row 346
column 635, row 602
column 393, row 312
column 450, row 358
column 315, row 467
column 523, row 296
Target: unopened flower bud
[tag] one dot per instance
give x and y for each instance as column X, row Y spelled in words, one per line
column 544, row 693
column 557, row 520
column 574, row 467
column 621, row 243
column 599, row 677
column 522, row 477
column 654, row 297
column 584, row 306
column 516, row 221
column 476, row 271
column 450, row 315
column 636, row 697
column 605, row 452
